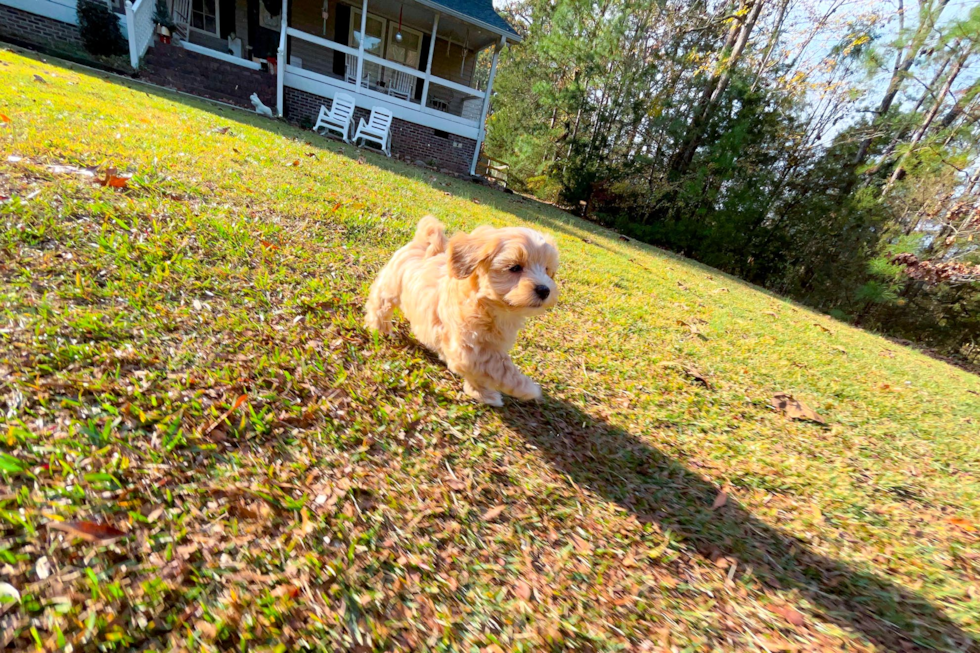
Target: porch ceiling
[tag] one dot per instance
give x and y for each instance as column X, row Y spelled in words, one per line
column 418, row 14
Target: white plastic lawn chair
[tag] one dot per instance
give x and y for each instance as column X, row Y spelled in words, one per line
column 377, row 129
column 400, row 84
column 339, row 118
column 351, row 69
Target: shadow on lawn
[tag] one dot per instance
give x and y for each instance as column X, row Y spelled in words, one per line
column 657, row 488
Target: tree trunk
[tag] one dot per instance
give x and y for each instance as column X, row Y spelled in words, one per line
column 739, row 38
column 903, row 63
column 926, row 121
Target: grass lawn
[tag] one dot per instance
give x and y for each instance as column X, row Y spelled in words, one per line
column 202, row 449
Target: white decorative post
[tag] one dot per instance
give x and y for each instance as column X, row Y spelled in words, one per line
column 428, row 65
column 360, row 45
column 134, row 58
column 281, row 61
column 486, row 104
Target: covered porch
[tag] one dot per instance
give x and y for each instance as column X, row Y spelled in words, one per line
column 430, row 62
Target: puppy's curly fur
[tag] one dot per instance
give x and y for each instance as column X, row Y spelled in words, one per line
column 467, row 298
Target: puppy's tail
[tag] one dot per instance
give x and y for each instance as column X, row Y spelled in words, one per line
column 431, row 235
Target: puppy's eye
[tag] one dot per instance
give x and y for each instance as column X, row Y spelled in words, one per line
column 516, row 269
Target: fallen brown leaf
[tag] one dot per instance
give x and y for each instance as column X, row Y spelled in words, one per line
column 113, row 180
column 4, row 118
column 720, row 500
column 523, row 590
column 238, row 402
column 88, row 530
column 38, row 78
column 822, row 327
column 221, row 130
column 962, row 523
column 791, row 615
column 794, row 408
column 493, row 513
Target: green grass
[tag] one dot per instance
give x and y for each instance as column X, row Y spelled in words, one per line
column 355, row 499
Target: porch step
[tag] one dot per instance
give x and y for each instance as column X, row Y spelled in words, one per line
column 198, row 74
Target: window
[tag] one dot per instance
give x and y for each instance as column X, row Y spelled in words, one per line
column 407, row 52
column 373, row 43
column 204, row 16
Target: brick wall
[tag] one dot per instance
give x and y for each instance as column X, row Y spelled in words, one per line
column 198, row 74
column 20, row 26
column 408, row 140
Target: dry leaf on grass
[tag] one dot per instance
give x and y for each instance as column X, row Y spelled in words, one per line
column 523, row 590
column 794, row 408
column 113, row 180
column 238, row 402
column 59, row 169
column 38, row 78
column 221, row 130
column 493, row 513
column 791, row 615
column 4, row 118
column 962, row 523
column 88, row 530
column 822, row 327
column 9, row 593
column 720, row 500
column 692, row 372
column 42, row 567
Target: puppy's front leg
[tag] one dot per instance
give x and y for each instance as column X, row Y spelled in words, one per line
column 495, row 370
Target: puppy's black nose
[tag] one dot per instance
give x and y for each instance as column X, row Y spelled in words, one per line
column 542, row 291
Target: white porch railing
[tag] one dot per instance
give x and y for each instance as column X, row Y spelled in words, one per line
column 139, row 29
column 444, row 104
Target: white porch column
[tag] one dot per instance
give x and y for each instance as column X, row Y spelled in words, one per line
column 360, row 46
column 486, row 104
column 281, row 60
column 428, row 64
column 134, row 58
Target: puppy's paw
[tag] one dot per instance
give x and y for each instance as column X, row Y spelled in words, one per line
column 484, row 395
column 530, row 391
column 373, row 323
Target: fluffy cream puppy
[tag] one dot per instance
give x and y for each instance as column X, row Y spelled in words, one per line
column 467, row 298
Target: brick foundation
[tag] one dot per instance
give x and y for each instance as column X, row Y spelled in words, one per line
column 408, row 141
column 198, row 74
column 23, row 27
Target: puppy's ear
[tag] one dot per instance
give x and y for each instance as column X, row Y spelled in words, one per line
column 467, row 251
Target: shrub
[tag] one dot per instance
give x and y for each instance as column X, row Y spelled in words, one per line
column 161, row 16
column 99, row 28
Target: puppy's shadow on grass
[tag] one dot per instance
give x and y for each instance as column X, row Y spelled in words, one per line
column 658, row 488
